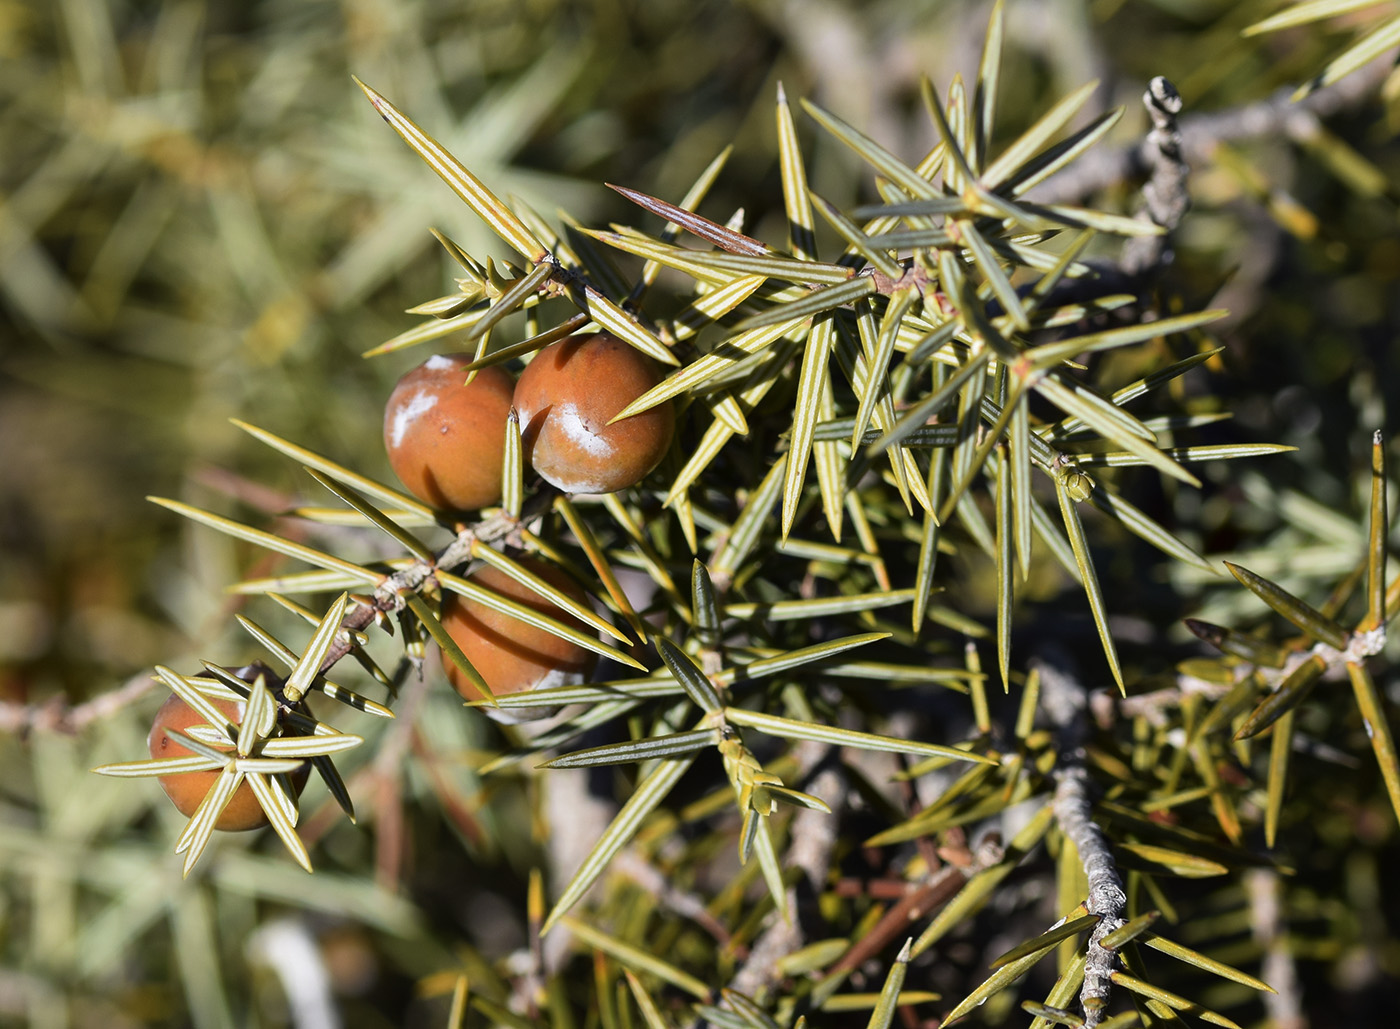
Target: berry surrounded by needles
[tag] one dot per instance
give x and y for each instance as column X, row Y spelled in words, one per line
column 511, row 655
column 445, row 437
column 566, row 397
column 187, row 790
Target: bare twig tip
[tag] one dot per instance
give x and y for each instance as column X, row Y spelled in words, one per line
column 1161, row 93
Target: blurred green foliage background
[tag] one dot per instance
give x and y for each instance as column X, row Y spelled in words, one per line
column 200, row 218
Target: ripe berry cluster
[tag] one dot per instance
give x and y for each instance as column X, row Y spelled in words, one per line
column 446, row 442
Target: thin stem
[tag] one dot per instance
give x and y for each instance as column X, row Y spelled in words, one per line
column 1200, row 133
column 1165, row 194
column 1065, row 701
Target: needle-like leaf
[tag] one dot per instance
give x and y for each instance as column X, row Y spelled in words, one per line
column 449, row 646
column 688, row 674
column 906, row 178
column 1080, row 545
column 310, row 664
column 648, row 794
column 1299, row 612
column 721, row 236
column 473, row 192
column 1171, row 1000
column 649, row 748
column 790, row 728
column 530, row 616
column 269, row 540
column 1379, row 527
column 1368, row 701
column 806, row 412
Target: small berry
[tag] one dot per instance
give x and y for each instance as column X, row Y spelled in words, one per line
column 445, row 440
column 512, row 656
column 565, row 398
column 187, row 790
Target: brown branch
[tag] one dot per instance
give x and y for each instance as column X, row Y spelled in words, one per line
column 57, row 715
column 389, row 593
column 387, row 781
column 919, row 902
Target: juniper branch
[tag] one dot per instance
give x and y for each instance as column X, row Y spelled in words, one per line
column 389, row 593
column 1201, row 133
column 57, row 715
column 1107, row 899
column 1066, row 703
column 919, row 902
column 1165, row 196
